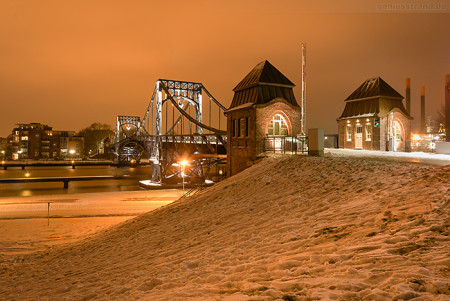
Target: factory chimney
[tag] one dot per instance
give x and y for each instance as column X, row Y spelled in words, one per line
column 447, row 106
column 423, row 129
column 408, row 96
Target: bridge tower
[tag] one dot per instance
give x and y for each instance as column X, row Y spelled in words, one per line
column 173, row 128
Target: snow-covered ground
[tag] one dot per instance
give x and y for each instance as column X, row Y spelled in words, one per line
column 288, row 228
column 414, row 157
column 25, row 228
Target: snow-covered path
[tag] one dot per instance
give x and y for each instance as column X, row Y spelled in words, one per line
column 412, row 157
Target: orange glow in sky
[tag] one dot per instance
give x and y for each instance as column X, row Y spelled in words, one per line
column 71, row 63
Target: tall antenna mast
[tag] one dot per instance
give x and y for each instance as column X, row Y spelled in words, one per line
column 303, row 120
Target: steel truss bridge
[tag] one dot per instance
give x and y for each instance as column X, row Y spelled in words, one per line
column 183, row 121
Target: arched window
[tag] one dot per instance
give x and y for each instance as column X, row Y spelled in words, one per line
column 277, row 126
column 397, row 131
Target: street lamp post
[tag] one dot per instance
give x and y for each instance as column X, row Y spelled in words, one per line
column 183, row 165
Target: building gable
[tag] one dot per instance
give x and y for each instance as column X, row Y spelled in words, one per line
column 373, row 98
column 263, row 84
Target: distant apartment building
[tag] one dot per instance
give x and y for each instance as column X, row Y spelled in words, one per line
column 39, row 141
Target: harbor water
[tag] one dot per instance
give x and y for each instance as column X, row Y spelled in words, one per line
column 133, row 174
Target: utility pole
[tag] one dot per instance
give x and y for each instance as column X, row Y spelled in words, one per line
column 303, row 109
column 447, row 107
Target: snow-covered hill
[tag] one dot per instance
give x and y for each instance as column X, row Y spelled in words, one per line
column 289, row 228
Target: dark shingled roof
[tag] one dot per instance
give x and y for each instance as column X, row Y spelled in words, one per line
column 374, row 87
column 373, row 98
column 263, row 84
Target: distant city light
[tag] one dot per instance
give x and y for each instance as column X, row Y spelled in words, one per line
column 27, row 174
column 183, row 164
column 72, row 151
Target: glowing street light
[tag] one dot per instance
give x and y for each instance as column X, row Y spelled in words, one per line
column 183, row 165
column 27, row 175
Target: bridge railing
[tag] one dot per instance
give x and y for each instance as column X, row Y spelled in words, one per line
column 286, row 144
column 194, row 138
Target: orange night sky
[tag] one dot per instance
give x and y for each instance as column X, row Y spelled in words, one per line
column 70, row 63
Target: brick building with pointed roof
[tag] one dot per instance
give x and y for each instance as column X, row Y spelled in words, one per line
column 374, row 118
column 263, row 106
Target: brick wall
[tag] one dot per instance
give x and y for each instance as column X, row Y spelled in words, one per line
column 406, row 130
column 240, row 150
column 372, row 144
column 380, row 135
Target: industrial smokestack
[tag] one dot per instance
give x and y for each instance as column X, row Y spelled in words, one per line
column 408, row 96
column 422, row 110
column 447, row 106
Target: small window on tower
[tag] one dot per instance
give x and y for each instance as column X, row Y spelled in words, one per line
column 246, row 126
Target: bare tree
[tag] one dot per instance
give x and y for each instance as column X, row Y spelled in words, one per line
column 94, row 135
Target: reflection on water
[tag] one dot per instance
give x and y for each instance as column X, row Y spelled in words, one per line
column 30, row 189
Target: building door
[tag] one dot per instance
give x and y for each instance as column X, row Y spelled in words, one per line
column 358, row 136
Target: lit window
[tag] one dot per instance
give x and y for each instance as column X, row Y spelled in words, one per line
column 277, row 126
column 24, row 137
column 368, row 132
column 349, row 132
